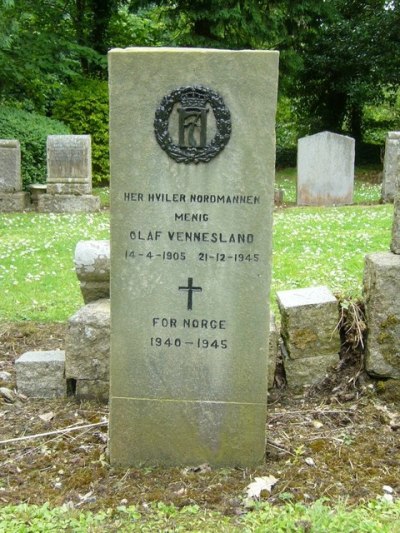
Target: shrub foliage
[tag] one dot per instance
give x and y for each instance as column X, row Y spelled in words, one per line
column 84, row 107
column 31, row 130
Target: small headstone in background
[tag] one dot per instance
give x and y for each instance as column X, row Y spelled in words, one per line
column 391, row 166
column 12, row 198
column 41, row 374
column 309, row 320
column 325, row 169
column 69, row 175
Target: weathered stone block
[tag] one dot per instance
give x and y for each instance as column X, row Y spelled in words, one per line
column 308, row 371
column 68, row 203
column 391, row 166
column 87, row 343
column 41, row 374
column 92, row 389
column 309, row 319
column 325, row 169
column 382, row 307
column 92, row 265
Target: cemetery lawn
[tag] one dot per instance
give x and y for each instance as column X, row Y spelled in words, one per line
column 335, row 452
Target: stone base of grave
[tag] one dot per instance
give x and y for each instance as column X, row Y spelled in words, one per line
column 87, row 349
column 382, row 307
column 68, row 203
column 308, row 371
column 41, row 374
column 69, row 187
column 14, row 201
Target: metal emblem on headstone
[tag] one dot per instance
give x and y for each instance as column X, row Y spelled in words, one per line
column 193, row 104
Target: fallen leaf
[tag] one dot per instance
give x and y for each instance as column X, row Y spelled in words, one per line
column 255, row 488
column 309, row 461
column 47, row 416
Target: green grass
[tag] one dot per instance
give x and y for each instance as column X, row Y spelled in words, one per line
column 367, row 189
column 312, row 246
column 289, row 518
column 37, row 275
column 327, row 246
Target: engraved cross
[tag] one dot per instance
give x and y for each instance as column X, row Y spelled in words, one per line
column 190, row 290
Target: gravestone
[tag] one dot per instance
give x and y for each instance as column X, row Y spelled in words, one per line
column 391, row 166
column 69, row 176
column 325, row 169
column 192, row 171
column 12, row 198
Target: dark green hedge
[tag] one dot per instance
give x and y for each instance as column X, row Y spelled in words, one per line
column 31, row 130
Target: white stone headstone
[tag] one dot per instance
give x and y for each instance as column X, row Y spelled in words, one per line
column 325, row 169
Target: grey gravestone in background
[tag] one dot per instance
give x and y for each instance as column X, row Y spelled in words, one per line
column 391, row 166
column 192, row 170
column 69, row 164
column 325, row 169
column 69, row 175
column 11, row 196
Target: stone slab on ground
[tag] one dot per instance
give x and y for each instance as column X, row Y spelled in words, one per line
column 41, row 374
column 382, row 308
column 87, row 342
column 309, row 320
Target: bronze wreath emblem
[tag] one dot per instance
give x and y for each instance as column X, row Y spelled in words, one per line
column 192, row 146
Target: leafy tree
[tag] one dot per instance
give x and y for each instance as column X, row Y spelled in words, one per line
column 38, row 51
column 353, row 59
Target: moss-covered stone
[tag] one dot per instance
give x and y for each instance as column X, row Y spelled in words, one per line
column 382, row 306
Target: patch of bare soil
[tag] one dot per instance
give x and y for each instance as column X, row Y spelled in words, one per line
column 340, row 440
